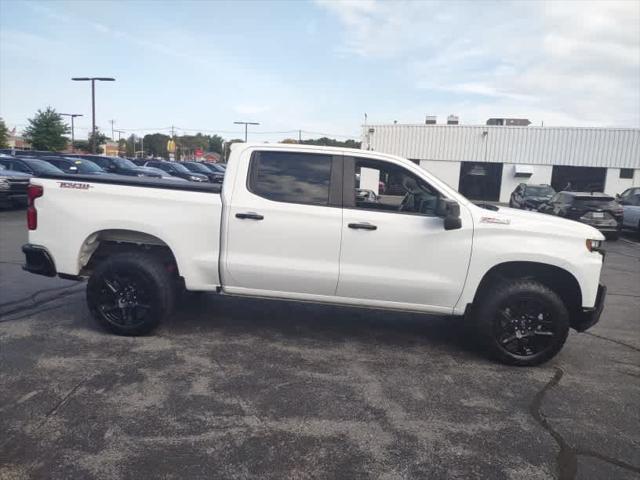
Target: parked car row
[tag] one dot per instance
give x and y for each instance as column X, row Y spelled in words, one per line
column 25, row 164
column 601, row 211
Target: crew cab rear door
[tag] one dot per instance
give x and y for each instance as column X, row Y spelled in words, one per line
column 284, row 224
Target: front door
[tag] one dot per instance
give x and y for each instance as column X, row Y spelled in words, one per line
column 284, row 225
column 395, row 249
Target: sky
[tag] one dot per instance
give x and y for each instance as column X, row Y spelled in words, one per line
column 319, row 66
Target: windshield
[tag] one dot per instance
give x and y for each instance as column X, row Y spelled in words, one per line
column 40, row 166
column 124, row 163
column 86, row 166
column 542, row 191
column 196, row 167
column 180, row 168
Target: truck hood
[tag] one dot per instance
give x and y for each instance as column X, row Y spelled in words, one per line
column 523, row 220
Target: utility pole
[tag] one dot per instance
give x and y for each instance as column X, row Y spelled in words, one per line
column 125, row 148
column 112, row 122
column 73, row 139
column 93, row 103
column 299, row 136
column 245, row 127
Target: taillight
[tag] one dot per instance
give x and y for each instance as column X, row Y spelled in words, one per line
column 33, row 192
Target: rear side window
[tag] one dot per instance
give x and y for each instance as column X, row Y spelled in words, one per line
column 291, row 177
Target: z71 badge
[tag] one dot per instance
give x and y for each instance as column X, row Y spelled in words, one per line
column 75, row 186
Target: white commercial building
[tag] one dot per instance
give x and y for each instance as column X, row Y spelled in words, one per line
column 488, row 162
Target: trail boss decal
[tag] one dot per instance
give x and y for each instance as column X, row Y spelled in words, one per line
column 75, row 185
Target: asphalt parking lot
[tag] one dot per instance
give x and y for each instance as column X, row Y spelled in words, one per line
column 234, row 388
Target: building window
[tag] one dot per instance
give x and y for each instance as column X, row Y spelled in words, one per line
column 291, row 177
column 626, row 173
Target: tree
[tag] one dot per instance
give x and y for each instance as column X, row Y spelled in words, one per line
column 100, row 138
column 215, row 143
column 331, row 142
column 82, row 145
column 46, row 131
column 4, row 134
column 156, row 145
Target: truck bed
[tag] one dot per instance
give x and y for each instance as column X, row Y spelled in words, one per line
column 78, row 213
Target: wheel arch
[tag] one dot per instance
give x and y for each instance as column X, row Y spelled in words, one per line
column 561, row 281
column 102, row 243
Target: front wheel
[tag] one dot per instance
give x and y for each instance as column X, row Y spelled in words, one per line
column 522, row 322
column 130, row 293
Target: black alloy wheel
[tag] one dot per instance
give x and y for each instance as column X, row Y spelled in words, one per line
column 123, row 300
column 130, row 293
column 524, row 326
column 521, row 321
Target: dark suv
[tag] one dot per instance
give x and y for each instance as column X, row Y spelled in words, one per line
column 595, row 209
column 177, row 170
column 32, row 166
column 13, row 187
column 117, row 165
column 75, row 165
column 530, row 197
column 197, row 167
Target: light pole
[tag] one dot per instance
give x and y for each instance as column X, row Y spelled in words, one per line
column 93, row 103
column 72, row 115
column 245, row 127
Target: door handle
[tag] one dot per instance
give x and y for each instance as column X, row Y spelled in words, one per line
column 249, row 216
column 362, row 226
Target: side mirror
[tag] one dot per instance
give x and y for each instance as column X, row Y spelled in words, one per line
column 450, row 211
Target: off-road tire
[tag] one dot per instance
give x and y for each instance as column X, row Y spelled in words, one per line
column 147, row 278
column 487, row 319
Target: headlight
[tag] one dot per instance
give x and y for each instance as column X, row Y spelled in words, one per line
column 141, row 175
column 195, row 179
column 593, row 245
column 4, row 183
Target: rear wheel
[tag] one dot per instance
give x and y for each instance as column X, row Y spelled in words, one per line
column 522, row 322
column 130, row 293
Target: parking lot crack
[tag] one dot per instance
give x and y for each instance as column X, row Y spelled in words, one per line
column 602, row 337
column 567, row 459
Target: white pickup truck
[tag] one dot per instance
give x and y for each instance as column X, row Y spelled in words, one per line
column 327, row 225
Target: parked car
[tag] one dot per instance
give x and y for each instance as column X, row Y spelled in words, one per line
column 286, row 224
column 631, row 212
column 198, row 167
column 177, row 170
column 165, row 176
column 32, row 166
column 75, row 165
column 592, row 208
column 628, row 193
column 117, row 165
column 530, row 197
column 214, row 167
column 13, row 187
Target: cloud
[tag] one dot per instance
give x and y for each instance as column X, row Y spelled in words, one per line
column 575, row 61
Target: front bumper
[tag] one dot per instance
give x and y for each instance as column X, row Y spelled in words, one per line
column 590, row 316
column 38, row 260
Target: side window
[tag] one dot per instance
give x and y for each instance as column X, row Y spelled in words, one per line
column 19, row 167
column 291, row 177
column 388, row 187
